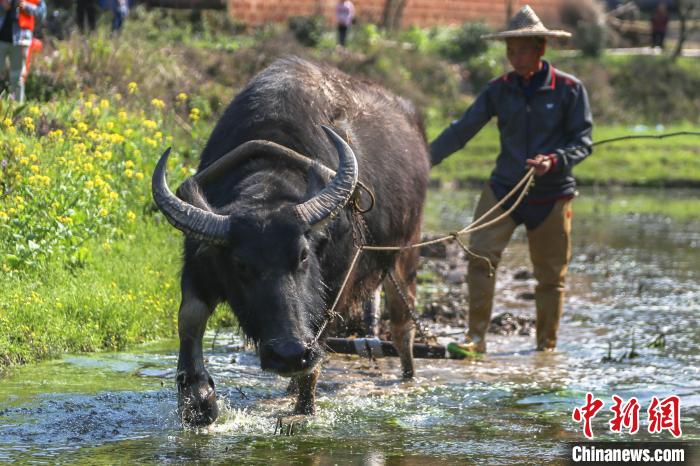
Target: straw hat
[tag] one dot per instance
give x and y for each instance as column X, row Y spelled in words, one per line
column 525, row 23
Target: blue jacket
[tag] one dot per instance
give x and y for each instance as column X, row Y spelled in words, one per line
column 24, row 36
column 555, row 119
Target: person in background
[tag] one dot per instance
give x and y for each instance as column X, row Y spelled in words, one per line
column 86, row 10
column 344, row 14
column 545, row 123
column 17, row 20
column 659, row 23
column 120, row 8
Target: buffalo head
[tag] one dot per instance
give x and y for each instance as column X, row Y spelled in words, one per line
column 268, row 260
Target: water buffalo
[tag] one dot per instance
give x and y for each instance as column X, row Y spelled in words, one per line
column 273, row 236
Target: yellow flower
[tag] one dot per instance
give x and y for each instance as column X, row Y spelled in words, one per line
column 72, row 132
column 55, row 133
column 194, row 114
column 109, row 125
column 113, row 196
column 87, row 166
column 157, row 103
column 138, row 176
column 104, row 103
column 3, row 215
column 122, row 115
column 34, row 168
column 96, row 111
column 7, row 123
column 150, row 124
column 104, row 212
column 130, row 216
column 89, row 184
column 76, row 114
column 129, row 164
column 28, row 123
column 34, row 110
column 33, row 157
column 133, row 87
column 182, row 97
column 88, row 105
column 24, row 161
column 82, row 127
column 128, row 173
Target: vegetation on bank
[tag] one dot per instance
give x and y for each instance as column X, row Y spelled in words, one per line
column 86, row 263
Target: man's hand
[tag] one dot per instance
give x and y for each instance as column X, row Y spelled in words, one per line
column 541, row 163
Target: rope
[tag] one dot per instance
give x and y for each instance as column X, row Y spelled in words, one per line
column 524, row 183
column 647, row 136
column 474, row 225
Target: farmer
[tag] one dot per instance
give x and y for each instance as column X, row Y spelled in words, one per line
column 17, row 19
column 545, row 123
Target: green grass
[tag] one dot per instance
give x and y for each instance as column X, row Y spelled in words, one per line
column 129, row 293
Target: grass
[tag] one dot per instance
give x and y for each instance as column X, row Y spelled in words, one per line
column 128, row 294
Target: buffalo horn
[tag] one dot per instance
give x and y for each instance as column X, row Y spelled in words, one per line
column 194, row 222
column 333, row 198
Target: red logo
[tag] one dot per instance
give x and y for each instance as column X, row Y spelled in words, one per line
column 665, row 415
column 586, row 413
column 626, row 416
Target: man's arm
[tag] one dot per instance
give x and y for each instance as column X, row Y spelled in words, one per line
column 579, row 128
column 459, row 132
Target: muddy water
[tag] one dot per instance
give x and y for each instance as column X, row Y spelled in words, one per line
column 633, row 276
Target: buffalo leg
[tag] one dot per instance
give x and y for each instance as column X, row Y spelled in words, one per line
column 306, row 384
column 196, row 393
column 398, row 302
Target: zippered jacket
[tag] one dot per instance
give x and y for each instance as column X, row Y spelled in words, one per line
column 555, row 119
column 23, row 27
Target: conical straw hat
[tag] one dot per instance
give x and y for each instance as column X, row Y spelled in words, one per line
column 525, row 23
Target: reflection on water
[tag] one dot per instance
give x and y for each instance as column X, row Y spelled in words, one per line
column 632, row 277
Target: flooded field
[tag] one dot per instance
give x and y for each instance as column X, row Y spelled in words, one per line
column 633, row 277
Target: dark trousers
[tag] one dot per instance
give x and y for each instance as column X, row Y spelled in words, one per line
column 657, row 38
column 342, row 34
column 86, row 9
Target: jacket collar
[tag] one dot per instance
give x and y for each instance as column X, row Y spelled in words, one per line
column 549, row 84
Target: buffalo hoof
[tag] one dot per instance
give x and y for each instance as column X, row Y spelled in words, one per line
column 196, row 400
